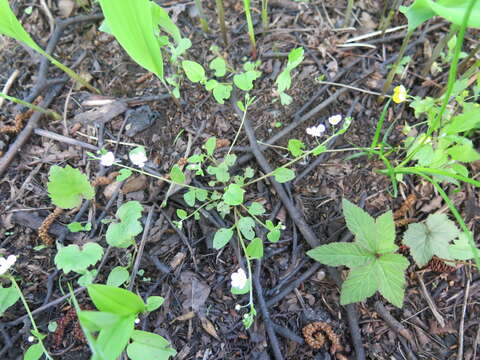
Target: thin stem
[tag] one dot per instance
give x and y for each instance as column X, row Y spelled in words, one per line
column 378, row 130
column 47, row 112
column 221, row 20
column 247, row 258
column 265, row 22
column 251, row 31
column 32, row 320
column 238, row 131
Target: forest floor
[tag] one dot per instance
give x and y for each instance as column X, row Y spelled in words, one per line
column 199, row 315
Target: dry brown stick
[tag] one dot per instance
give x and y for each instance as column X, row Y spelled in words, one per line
column 430, row 302
column 11, row 79
column 396, row 326
column 64, row 139
column 461, row 328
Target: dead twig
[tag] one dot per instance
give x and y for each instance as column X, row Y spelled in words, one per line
column 430, row 302
column 461, row 328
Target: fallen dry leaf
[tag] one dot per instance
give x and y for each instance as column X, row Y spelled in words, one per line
column 194, row 290
column 208, row 327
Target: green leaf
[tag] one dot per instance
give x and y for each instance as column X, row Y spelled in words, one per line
column 256, row 209
column 154, row 302
column 385, row 231
column 459, row 250
column 295, row 57
column 176, row 175
column 340, row 253
column 284, row 81
column 255, row 249
column 247, row 225
column 296, row 147
column 219, row 66
column 222, row 237
column 431, row 238
column 87, row 277
column 391, row 277
column 182, row 214
column 161, row 18
column 285, row 99
column 230, row 159
column 146, row 345
column 210, row 145
column 124, row 175
column 201, row 194
column 8, row 297
column 222, row 92
column 77, row 227
column 463, row 153
column 319, row 149
column 189, row 197
column 194, row 71
column 68, row 186
column 464, row 122
column 233, row 195
column 96, row 320
column 123, row 234
column 133, row 26
column 34, row 352
column 244, row 81
column 118, row 276
column 274, row 235
column 244, row 290
column 112, row 341
column 72, row 258
column 283, row 175
column 361, row 224
column 115, row 300
column 417, row 13
column 359, row 285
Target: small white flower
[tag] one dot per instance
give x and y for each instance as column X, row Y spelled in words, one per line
column 7, row 263
column 239, row 279
column 137, row 321
column 316, row 130
column 30, row 339
column 335, row 119
column 138, row 156
column 107, row 159
column 238, row 307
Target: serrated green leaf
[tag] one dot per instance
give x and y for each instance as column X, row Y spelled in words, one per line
column 256, row 209
column 219, row 66
column 210, row 145
column 431, row 238
column 285, row 99
column 247, row 225
column 189, row 197
column 339, row 253
column 295, row 147
column 222, row 237
column 244, row 81
column 115, row 300
column 463, row 153
column 68, row 186
column 284, row 81
column 459, row 250
column 8, row 297
column 147, row 345
column 233, row 195
column 201, row 194
column 194, row 71
column 283, row 175
column 122, row 234
column 464, row 122
column 255, row 249
column 359, row 285
column 177, row 175
column 118, row 276
column 295, row 57
column 361, row 224
column 391, row 277
column 76, row 259
column 385, row 228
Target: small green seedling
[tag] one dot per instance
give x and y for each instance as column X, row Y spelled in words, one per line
column 371, row 257
column 68, row 186
column 284, row 79
column 122, row 234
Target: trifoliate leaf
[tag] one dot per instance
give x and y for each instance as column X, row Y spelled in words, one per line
column 194, row 71
column 68, row 186
column 176, row 175
column 282, row 175
column 122, row 234
column 340, row 253
column 233, row 195
column 255, row 249
column 246, row 225
column 390, row 277
column 76, row 259
column 431, row 238
column 295, row 147
column 359, row 285
column 256, row 209
column 147, row 345
column 361, row 224
column 210, row 145
column 222, row 237
column 461, row 248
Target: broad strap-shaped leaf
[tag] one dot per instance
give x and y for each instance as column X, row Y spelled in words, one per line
column 147, row 345
column 112, row 340
column 431, row 238
column 339, row 253
column 385, row 229
column 115, row 300
column 390, row 275
column 359, row 285
column 361, row 224
column 68, row 186
column 132, row 24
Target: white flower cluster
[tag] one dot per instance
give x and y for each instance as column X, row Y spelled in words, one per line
column 239, row 279
column 318, row 130
column 138, row 157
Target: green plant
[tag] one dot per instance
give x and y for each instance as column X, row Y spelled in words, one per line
column 265, row 15
column 53, row 114
column 10, row 26
column 201, row 14
column 284, row 79
column 68, row 186
column 251, row 30
column 371, row 257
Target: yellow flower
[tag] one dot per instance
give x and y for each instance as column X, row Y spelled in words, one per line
column 399, row 94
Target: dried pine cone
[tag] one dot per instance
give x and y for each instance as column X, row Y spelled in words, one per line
column 43, row 229
column 314, row 337
column 437, row 265
column 406, row 206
